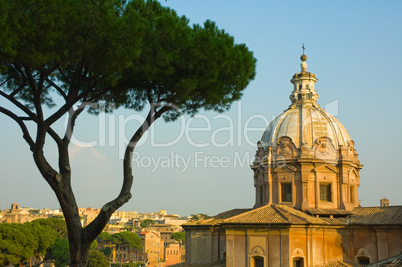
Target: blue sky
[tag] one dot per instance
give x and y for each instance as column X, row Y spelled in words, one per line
column 354, row 48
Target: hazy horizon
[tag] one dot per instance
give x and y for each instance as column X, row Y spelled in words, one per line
column 354, row 49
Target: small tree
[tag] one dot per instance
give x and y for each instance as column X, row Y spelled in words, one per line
column 59, row 57
column 126, row 239
column 59, row 253
column 44, row 237
column 57, row 224
column 97, row 259
column 17, row 244
column 20, row 242
column 200, row 216
column 106, row 250
column 104, row 236
column 179, row 237
column 147, row 223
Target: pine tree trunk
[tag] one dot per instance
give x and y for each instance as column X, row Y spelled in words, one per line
column 78, row 254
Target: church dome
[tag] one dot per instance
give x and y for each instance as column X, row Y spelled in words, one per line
column 304, row 125
column 304, row 121
column 306, row 159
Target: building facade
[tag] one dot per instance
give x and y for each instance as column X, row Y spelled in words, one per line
column 306, row 212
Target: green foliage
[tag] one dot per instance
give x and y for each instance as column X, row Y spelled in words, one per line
column 45, row 238
column 59, row 253
column 94, row 244
column 179, row 236
column 190, row 67
column 104, row 236
column 145, row 51
column 147, row 223
column 97, row 259
column 106, row 250
column 137, row 264
column 200, row 216
column 129, row 239
column 58, row 38
column 19, row 242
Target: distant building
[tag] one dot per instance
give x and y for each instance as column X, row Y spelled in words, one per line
column 306, row 212
column 16, row 214
column 384, row 202
column 87, row 215
column 166, row 231
column 172, row 253
column 15, row 207
column 153, row 247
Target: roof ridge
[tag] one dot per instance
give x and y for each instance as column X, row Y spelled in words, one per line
column 391, row 206
column 280, row 213
column 252, row 210
column 302, row 216
column 336, row 263
column 387, row 261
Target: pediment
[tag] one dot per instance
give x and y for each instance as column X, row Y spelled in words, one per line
column 327, row 167
column 353, row 170
column 285, row 168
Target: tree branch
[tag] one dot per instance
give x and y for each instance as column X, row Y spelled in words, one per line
column 3, row 83
column 150, row 100
column 19, row 105
column 73, row 114
column 60, row 70
column 58, row 89
column 96, row 226
column 22, row 125
column 31, row 80
column 16, row 91
column 31, row 116
column 26, row 118
column 63, row 109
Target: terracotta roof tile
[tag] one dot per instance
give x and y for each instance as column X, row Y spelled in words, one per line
column 315, row 211
column 281, row 214
column 336, row 263
column 335, row 221
column 377, row 215
column 217, row 218
column 395, row 261
column 187, row 264
column 273, row 214
column 230, row 213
